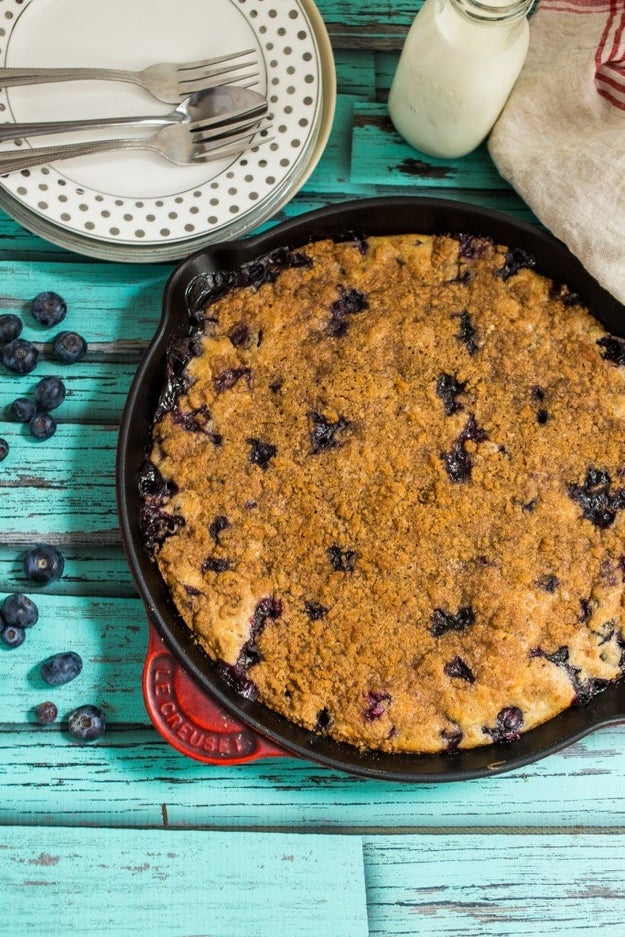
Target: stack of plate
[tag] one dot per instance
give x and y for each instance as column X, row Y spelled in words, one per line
column 136, row 206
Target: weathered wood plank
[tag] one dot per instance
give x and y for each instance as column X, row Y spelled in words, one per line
column 130, row 777
column 491, row 886
column 174, row 883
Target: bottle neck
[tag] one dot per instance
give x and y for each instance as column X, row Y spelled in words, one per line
column 493, row 11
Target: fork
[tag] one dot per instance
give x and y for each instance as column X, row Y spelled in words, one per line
column 182, row 144
column 219, row 105
column 166, row 82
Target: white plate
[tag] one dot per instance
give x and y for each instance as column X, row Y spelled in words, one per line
column 136, row 205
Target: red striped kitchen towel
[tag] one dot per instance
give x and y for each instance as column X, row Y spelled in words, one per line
column 560, row 139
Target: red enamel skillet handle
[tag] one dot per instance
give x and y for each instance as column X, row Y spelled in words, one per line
column 189, row 720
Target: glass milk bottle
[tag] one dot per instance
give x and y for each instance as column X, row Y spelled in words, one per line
column 457, row 68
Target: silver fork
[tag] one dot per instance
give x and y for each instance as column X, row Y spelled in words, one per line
column 179, row 143
column 166, row 82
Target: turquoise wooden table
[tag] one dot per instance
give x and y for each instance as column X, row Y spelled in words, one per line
column 126, row 836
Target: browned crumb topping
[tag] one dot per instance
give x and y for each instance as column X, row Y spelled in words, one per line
column 388, row 495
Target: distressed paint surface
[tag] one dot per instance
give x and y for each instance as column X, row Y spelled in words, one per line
column 127, row 820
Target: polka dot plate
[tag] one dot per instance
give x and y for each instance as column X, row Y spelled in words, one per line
column 135, row 205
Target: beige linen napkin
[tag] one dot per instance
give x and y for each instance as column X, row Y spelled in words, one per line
column 560, row 140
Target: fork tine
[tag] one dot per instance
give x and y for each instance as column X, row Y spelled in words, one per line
column 222, row 152
column 238, row 130
column 208, row 63
column 205, row 142
column 234, row 120
column 189, row 85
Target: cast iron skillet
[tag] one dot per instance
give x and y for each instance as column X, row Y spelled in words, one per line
column 356, row 219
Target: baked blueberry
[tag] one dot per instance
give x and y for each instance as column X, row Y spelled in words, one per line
column 49, row 393
column 215, row 564
column 261, row 453
column 22, row 410
column 443, row 621
column 220, row 523
column 20, row 356
column 507, row 726
column 342, row 561
column 516, row 258
column 230, row 377
column 86, row 723
column 239, row 335
column 452, row 739
column 542, row 416
column 43, row 563
column 46, row 713
column 42, row 426
column 323, row 720
column 460, row 669
column 236, row 677
column 48, row 308
column 458, row 463
column 19, row 609
column 350, row 301
column 61, row 668
column 376, row 705
column 10, row 327
column 467, row 332
column 69, row 347
column 315, row 610
column 448, row 388
column 598, row 503
column 548, row 583
column 613, row 349
column 323, row 432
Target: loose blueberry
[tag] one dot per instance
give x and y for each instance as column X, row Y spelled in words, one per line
column 443, row 622
column 43, row 563
column 342, row 561
column 50, row 393
column 48, row 308
column 323, row 432
column 13, row 635
column 22, row 410
column 10, row 327
column 46, row 713
column 61, row 668
column 86, row 723
column 20, row 356
column 69, row 347
column 4, row 449
column 261, row 453
column 19, row 609
column 42, row 426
